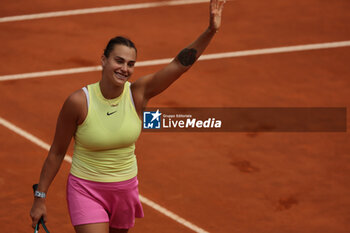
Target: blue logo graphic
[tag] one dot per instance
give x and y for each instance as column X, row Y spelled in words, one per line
column 151, row 120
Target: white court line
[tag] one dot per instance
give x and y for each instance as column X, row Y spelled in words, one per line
column 99, row 10
column 29, row 137
column 68, row 158
column 285, row 49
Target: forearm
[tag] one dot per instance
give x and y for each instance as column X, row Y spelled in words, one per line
column 65, row 129
column 49, row 170
column 193, row 51
column 154, row 84
column 190, row 54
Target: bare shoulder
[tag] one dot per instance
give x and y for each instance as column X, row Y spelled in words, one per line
column 76, row 100
column 75, row 106
column 139, row 86
column 140, row 83
column 138, row 92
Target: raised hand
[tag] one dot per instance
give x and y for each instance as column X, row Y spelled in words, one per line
column 216, row 7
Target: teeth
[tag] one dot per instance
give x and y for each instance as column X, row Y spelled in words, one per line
column 121, row 76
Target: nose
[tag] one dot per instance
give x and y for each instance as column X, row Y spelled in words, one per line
column 124, row 67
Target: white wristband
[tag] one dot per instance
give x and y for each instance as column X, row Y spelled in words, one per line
column 39, row 194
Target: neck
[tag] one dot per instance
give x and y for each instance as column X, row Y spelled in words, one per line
column 110, row 91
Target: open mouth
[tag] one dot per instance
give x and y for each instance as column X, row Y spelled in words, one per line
column 121, row 76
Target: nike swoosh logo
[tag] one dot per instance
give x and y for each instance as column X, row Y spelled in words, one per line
column 110, row 113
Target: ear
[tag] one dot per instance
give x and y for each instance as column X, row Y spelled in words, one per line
column 103, row 60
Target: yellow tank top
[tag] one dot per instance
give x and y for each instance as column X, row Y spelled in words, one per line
column 105, row 141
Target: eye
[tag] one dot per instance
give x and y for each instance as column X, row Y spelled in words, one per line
column 131, row 64
column 119, row 61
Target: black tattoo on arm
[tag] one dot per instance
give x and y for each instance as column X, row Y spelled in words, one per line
column 187, row 56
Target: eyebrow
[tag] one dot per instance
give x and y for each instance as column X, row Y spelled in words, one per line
column 124, row 59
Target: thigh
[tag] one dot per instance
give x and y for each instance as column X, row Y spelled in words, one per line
column 92, row 228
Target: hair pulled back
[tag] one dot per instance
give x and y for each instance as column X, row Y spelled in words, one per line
column 118, row 40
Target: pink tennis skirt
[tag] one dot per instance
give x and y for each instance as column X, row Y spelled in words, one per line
column 94, row 202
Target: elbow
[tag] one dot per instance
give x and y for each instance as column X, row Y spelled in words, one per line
column 181, row 67
column 56, row 154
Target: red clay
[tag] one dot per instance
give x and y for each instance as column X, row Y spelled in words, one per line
column 222, row 182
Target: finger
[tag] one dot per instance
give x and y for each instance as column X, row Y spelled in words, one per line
column 34, row 222
column 221, row 4
column 212, row 4
column 45, row 218
column 221, row 7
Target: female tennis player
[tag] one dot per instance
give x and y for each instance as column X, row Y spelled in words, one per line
column 104, row 118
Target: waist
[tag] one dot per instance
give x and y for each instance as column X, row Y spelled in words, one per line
column 104, row 166
column 106, row 186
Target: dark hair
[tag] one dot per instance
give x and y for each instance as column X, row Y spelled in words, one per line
column 118, row 40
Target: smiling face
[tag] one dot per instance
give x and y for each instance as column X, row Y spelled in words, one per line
column 119, row 65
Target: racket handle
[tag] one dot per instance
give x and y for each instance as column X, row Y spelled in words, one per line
column 36, row 230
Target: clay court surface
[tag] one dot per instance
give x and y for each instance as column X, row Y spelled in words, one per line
column 219, row 182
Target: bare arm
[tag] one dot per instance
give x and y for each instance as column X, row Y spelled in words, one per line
column 153, row 84
column 65, row 129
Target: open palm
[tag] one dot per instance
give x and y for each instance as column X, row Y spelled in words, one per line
column 216, row 7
